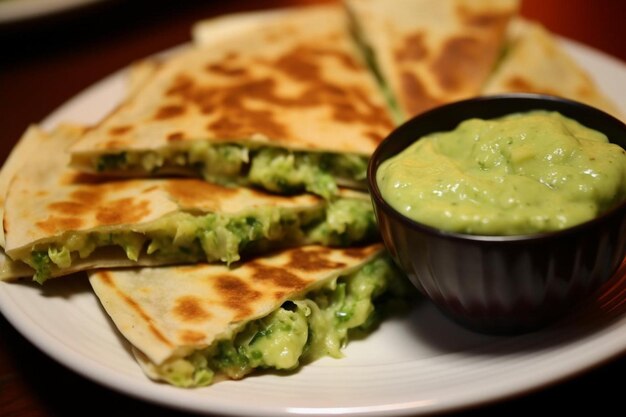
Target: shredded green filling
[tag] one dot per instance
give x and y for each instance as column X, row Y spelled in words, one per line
column 299, row 331
column 185, row 237
column 272, row 169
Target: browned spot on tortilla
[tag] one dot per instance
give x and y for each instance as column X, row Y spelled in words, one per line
column 191, row 336
column 5, row 224
column 312, row 260
column 114, row 144
column 224, row 69
column 175, row 136
column 278, row 277
column 56, row 224
column 108, row 280
column 119, row 130
column 90, row 195
column 69, row 207
column 236, row 294
column 279, row 295
column 41, row 193
column 376, row 137
column 235, row 109
column 357, row 252
column 168, row 112
column 413, row 48
column 189, row 308
column 518, row 84
column 182, row 86
column 482, row 19
column 194, row 192
column 415, row 98
column 461, row 63
column 123, row 210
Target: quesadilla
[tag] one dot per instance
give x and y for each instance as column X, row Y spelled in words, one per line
column 193, row 325
column 536, row 63
column 58, row 221
column 430, row 52
column 285, row 107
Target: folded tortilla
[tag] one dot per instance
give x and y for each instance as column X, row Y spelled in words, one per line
column 285, row 107
column 536, row 63
column 430, row 52
column 193, row 325
column 58, row 220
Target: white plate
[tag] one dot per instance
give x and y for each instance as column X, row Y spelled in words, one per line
column 16, row 10
column 418, row 364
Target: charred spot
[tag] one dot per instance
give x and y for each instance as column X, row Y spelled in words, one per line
column 226, row 70
column 119, row 130
column 175, row 136
column 459, row 63
column 299, row 64
column 482, row 19
column 87, row 195
column 56, row 224
column 69, row 207
column 105, row 277
column 278, row 277
column 123, row 210
column 168, row 112
column 357, row 252
column 415, row 98
column 521, row 85
column 236, row 294
column 189, row 308
column 413, row 48
column 317, row 259
column 194, row 192
column 191, row 336
column 181, row 86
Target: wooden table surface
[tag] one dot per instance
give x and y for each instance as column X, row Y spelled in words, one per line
column 46, row 61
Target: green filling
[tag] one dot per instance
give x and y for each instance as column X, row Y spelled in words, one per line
column 184, row 237
column 273, row 169
column 299, row 331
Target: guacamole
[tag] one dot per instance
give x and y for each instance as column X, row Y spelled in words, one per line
column 299, row 331
column 186, row 237
column 524, row 173
column 273, row 169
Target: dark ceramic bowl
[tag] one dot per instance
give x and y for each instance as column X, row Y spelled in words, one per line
column 502, row 284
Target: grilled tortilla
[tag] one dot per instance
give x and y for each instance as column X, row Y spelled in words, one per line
column 285, row 107
column 536, row 63
column 430, row 52
column 58, row 220
column 193, row 325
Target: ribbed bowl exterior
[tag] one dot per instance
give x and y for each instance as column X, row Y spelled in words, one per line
column 502, row 284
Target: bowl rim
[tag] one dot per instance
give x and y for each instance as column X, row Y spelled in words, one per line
column 375, row 161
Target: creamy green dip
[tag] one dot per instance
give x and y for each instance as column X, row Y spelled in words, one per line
column 523, row 173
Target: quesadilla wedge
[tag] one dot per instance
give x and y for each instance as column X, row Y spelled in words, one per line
column 194, row 325
column 26, row 146
column 285, row 107
column 58, row 221
column 536, row 63
column 429, row 52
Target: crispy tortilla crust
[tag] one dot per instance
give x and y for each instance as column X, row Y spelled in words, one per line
column 170, row 311
column 296, row 84
column 536, row 63
column 432, row 52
